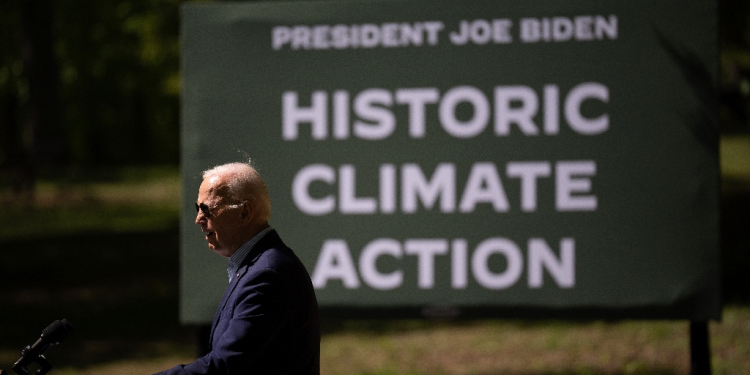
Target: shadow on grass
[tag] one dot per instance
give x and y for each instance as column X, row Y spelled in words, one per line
column 120, row 291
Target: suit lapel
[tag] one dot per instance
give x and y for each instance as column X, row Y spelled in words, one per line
column 222, row 304
column 251, row 258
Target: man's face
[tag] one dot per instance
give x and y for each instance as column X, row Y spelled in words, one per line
column 222, row 228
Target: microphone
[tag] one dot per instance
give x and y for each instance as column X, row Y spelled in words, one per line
column 52, row 335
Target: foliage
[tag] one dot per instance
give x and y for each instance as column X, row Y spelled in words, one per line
column 734, row 48
column 119, row 74
column 120, row 80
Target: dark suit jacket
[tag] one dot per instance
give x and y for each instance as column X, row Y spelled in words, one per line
column 267, row 320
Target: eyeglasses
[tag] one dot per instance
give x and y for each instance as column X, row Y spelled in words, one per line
column 202, row 207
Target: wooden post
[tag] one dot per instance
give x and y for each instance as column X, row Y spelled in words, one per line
column 700, row 351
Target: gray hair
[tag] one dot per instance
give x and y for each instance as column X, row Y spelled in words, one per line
column 243, row 182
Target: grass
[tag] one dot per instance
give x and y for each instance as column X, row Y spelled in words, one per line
column 504, row 347
column 104, row 200
column 735, row 158
column 106, row 257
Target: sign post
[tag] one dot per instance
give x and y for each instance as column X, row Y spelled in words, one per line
column 700, row 349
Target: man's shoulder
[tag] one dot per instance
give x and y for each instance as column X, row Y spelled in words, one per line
column 278, row 258
column 271, row 253
column 275, row 267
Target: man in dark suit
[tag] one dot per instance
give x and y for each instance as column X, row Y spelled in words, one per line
column 267, row 320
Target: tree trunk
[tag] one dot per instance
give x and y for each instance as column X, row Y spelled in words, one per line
column 45, row 144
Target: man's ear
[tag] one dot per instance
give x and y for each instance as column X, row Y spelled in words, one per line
column 248, row 212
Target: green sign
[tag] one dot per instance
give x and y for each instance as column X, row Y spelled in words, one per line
column 480, row 158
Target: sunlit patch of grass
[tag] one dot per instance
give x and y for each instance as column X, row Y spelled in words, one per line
column 734, row 156
column 116, row 200
column 542, row 348
column 730, row 342
column 26, row 222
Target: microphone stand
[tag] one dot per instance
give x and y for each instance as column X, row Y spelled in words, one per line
column 20, row 366
column 51, row 336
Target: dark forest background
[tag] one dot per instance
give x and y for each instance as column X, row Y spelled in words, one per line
column 93, row 82
column 87, row 83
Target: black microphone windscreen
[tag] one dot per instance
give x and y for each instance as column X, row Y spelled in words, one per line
column 56, row 331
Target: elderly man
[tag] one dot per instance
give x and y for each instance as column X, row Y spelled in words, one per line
column 267, row 320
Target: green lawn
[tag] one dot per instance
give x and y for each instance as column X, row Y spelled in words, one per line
column 503, row 347
column 734, row 153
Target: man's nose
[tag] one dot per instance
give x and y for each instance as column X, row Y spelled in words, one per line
column 199, row 217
